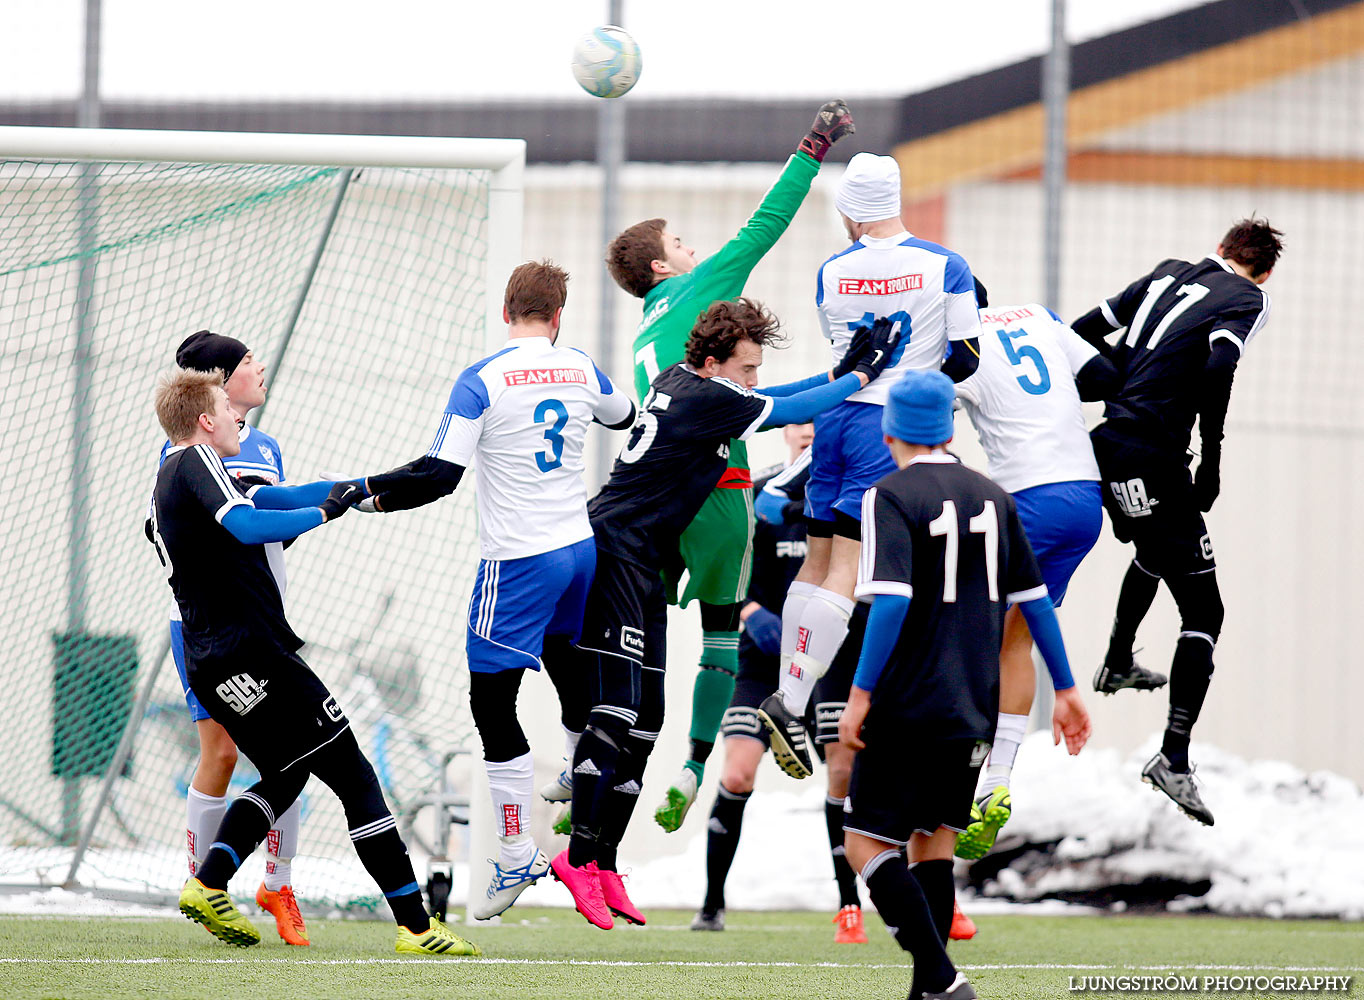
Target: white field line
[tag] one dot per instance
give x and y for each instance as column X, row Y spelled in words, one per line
column 609, row 963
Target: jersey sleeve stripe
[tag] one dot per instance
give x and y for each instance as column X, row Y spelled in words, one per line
column 1023, row 596
column 1107, row 310
column 434, row 450
column 1227, row 335
column 778, row 483
column 866, row 560
column 214, row 464
column 768, row 403
column 889, row 587
column 240, row 501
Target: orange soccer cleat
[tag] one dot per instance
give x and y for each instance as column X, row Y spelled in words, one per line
column 963, row 927
column 284, row 908
column 848, row 927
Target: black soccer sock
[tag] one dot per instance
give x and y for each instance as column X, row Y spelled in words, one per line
column 618, row 805
column 247, row 820
column 1200, row 613
column 594, row 774
column 906, row 913
column 935, row 881
column 1134, row 601
column 722, row 840
column 843, row 873
column 700, row 751
column 1190, row 677
column 373, row 831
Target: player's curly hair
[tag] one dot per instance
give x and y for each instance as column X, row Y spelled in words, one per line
column 725, row 324
column 631, row 256
column 1253, row 243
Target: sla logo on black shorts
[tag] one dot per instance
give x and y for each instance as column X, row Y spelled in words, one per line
column 242, row 693
column 1132, row 498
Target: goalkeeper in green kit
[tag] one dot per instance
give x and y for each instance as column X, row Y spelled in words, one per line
column 652, row 263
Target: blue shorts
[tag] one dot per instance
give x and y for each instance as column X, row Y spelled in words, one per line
column 197, row 712
column 849, row 455
column 517, row 602
column 1062, row 522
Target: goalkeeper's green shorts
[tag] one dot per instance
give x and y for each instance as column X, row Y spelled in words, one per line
column 717, row 551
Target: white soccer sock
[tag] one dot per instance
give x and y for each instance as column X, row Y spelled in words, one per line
column 203, row 814
column 281, row 844
column 570, row 742
column 797, row 596
column 1009, row 733
column 511, row 783
column 823, row 627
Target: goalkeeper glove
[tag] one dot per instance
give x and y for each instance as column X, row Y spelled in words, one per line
column 832, row 122
column 855, row 354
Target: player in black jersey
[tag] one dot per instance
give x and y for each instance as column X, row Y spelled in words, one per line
column 243, row 664
column 943, row 556
column 669, row 466
column 1187, row 325
column 779, row 546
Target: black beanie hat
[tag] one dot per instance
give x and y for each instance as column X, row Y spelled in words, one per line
column 205, row 351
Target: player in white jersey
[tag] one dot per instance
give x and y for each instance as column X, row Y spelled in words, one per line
column 1024, row 400
column 260, row 461
column 927, row 291
column 523, row 413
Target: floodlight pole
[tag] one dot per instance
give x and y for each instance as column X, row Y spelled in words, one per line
column 610, row 157
column 1055, row 94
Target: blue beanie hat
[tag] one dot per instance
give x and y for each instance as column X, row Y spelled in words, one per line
column 919, row 410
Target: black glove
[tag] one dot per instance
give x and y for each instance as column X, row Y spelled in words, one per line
column 832, row 122
column 1208, row 478
column 882, row 351
column 343, row 497
column 857, row 351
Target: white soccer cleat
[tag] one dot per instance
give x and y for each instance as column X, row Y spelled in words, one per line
column 507, row 884
column 560, row 789
column 673, row 810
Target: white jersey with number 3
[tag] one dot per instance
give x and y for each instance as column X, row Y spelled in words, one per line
column 1023, row 401
column 521, row 417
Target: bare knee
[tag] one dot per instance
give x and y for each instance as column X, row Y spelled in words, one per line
column 742, row 756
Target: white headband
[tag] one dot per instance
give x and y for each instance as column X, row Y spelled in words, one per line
column 870, row 189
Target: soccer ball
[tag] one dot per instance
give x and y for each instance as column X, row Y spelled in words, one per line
column 606, row 62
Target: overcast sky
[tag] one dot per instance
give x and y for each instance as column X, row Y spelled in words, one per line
column 461, row 50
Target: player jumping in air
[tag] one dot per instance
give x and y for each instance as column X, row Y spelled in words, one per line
column 778, row 550
column 521, row 415
column 675, row 453
column 928, row 292
column 1187, row 325
column 243, row 664
column 258, row 462
column 652, row 263
column 1024, row 401
column 944, row 555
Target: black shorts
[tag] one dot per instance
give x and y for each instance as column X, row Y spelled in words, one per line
column 899, row 787
column 1149, row 495
column 270, row 702
column 625, row 632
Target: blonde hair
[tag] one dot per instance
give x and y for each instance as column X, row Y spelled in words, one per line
column 182, row 394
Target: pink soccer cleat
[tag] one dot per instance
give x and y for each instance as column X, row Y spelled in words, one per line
column 613, row 890
column 585, row 886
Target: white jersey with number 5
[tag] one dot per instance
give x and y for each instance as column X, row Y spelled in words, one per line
column 521, row 417
column 1023, row 401
column 926, row 288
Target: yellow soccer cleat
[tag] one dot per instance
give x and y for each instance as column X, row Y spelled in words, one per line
column 284, row 908
column 215, row 910
column 436, row 940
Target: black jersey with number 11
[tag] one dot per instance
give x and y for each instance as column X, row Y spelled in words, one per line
column 675, row 454
column 950, row 540
column 1173, row 317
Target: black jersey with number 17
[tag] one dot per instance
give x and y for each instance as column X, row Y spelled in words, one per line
column 675, row 454
column 1173, row 316
column 950, row 540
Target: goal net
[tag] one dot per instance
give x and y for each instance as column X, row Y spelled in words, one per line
column 358, row 270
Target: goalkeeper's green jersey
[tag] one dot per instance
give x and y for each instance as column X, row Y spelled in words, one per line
column 671, row 307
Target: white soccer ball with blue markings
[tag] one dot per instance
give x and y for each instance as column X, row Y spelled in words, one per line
column 606, row 62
